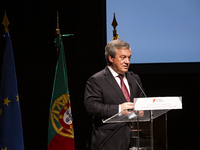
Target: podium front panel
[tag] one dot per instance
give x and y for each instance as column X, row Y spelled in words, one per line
column 143, row 132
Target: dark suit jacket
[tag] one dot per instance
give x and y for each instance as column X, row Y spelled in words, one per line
column 102, row 98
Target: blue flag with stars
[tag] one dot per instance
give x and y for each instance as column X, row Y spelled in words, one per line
column 11, row 135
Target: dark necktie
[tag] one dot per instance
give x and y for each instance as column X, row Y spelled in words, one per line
column 124, row 89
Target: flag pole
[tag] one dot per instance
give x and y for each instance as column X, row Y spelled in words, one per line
column 58, row 35
column 58, row 39
column 57, row 29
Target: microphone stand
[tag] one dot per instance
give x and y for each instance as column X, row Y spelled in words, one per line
column 151, row 113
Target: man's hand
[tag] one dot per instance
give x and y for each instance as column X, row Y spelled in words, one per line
column 128, row 107
column 140, row 113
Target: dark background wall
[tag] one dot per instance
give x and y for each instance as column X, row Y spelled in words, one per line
column 32, row 30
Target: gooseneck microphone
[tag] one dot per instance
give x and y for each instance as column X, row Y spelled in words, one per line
column 138, row 85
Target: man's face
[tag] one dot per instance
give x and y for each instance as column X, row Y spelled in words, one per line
column 121, row 62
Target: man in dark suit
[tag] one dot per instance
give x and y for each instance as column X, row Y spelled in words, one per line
column 104, row 98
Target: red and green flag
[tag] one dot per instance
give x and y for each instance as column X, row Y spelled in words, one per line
column 61, row 132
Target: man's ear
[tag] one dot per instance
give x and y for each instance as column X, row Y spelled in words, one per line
column 110, row 58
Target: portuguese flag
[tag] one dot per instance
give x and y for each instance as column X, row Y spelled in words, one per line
column 61, row 132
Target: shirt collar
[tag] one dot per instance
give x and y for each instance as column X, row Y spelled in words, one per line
column 115, row 74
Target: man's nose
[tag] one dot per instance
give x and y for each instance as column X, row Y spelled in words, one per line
column 127, row 60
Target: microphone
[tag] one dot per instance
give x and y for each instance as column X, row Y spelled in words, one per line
column 138, row 85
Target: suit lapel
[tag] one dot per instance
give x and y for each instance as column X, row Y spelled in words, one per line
column 111, row 80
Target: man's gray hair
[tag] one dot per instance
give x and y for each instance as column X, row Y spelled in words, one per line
column 111, row 48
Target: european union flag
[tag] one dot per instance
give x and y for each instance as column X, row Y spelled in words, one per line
column 11, row 135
